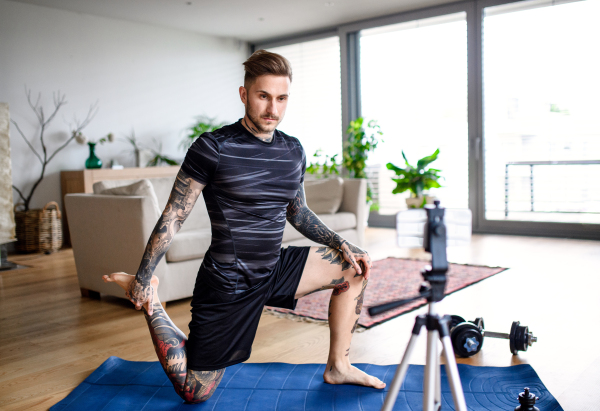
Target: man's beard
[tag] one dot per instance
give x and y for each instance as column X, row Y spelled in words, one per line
column 256, row 119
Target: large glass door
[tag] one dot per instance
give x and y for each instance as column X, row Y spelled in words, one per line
column 541, row 126
column 314, row 112
column 413, row 79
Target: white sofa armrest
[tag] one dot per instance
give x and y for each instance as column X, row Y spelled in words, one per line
column 109, row 234
column 355, row 201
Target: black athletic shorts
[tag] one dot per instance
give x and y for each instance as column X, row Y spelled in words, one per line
column 223, row 325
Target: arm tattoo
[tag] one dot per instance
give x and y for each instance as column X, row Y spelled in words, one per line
column 307, row 223
column 181, row 201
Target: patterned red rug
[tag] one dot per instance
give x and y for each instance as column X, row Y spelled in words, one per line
column 391, row 279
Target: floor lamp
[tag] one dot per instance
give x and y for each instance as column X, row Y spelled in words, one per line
column 7, row 215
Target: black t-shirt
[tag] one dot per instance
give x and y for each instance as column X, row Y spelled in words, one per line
column 249, row 184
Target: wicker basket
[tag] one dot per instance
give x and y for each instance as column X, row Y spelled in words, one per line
column 39, row 231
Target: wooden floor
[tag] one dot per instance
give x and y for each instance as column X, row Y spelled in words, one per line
column 51, row 338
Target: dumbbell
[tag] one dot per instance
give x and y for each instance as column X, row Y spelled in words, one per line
column 467, row 336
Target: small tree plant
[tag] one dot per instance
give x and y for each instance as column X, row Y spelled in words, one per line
column 46, row 156
column 361, row 141
column 330, row 166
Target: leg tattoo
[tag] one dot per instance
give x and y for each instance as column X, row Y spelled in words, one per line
column 169, row 344
column 354, row 327
column 341, row 288
column 360, row 298
column 334, row 256
column 338, row 284
column 201, row 385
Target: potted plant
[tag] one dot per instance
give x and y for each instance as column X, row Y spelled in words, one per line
column 360, row 142
column 202, row 125
column 40, row 230
column 416, row 180
column 329, row 167
column 159, row 158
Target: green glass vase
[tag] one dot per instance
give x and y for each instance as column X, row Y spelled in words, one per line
column 93, row 161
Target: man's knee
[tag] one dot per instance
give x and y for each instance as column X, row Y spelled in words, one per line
column 200, row 385
column 357, row 280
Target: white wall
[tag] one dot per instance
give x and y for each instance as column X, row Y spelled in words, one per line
column 150, row 79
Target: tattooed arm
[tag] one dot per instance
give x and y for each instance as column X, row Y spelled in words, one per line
column 183, row 196
column 306, row 222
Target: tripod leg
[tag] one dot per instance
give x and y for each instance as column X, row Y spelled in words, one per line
column 438, row 382
column 390, row 399
column 429, row 383
column 451, row 368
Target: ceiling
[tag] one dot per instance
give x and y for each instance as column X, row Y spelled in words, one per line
column 248, row 20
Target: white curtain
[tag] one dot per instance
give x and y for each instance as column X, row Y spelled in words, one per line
column 7, row 217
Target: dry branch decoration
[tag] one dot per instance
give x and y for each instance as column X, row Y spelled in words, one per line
column 45, row 157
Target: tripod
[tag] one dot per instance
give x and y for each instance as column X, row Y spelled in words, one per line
column 437, row 327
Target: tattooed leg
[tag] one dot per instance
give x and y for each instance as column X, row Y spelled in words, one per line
column 326, row 269
column 170, row 346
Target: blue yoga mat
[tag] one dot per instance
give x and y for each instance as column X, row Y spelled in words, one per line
column 129, row 385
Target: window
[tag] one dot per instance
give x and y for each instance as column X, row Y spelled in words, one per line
column 414, row 83
column 314, row 112
column 541, row 105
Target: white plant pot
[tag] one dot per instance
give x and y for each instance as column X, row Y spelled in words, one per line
column 415, row 202
column 142, row 157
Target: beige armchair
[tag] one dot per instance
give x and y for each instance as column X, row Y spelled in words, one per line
column 109, row 233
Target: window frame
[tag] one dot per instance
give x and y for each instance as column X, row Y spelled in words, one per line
column 349, row 36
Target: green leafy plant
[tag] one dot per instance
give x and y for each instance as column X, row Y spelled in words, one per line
column 360, row 142
column 202, row 125
column 416, row 179
column 330, row 166
column 160, row 158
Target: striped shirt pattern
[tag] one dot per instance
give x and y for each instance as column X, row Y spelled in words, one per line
column 249, row 184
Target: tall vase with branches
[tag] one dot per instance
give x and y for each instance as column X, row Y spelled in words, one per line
column 44, row 120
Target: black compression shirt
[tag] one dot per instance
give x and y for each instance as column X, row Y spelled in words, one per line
column 249, row 184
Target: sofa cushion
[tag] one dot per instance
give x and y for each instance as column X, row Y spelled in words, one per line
column 100, row 186
column 198, row 218
column 324, row 196
column 189, row 245
column 139, row 188
column 337, row 222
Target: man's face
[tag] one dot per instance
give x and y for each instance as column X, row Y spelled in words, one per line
column 266, row 101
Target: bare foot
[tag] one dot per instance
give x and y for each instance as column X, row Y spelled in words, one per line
column 123, row 280
column 351, row 375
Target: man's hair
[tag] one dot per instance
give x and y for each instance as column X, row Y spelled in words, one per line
column 262, row 63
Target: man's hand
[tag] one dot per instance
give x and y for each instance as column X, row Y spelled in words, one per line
column 141, row 295
column 306, row 222
column 358, row 257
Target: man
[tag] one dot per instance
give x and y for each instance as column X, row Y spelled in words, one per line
column 251, row 176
